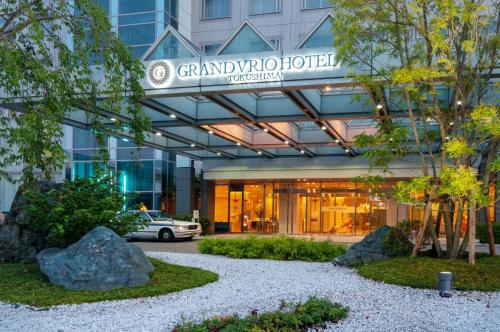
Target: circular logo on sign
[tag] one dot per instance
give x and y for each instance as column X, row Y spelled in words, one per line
column 159, row 72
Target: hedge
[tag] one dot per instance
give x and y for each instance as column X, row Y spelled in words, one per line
column 482, row 234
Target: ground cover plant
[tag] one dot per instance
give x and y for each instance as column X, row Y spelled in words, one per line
column 312, row 314
column 276, row 248
column 421, row 272
column 24, row 283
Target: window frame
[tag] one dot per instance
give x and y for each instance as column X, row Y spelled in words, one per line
column 315, row 8
column 279, row 8
column 203, row 11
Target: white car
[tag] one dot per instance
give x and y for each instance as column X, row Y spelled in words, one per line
column 164, row 228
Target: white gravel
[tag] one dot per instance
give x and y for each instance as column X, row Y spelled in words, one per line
column 261, row 284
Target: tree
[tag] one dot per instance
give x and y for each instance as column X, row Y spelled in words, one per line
column 436, row 59
column 59, row 58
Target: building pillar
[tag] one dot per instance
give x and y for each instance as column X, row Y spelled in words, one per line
column 184, row 190
column 208, row 203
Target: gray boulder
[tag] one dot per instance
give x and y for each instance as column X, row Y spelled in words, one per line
column 370, row 249
column 101, row 260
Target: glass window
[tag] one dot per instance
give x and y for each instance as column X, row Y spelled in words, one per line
column 276, row 42
column 135, row 175
column 221, row 203
column 314, row 4
column 170, row 48
column 322, row 37
column 211, row 49
column 138, row 51
column 136, row 18
column 216, row 9
column 135, row 153
column 137, row 34
column 247, row 41
column 83, row 169
column 134, row 6
column 264, row 6
column 83, row 139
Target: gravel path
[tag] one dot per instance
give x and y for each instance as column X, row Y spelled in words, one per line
column 248, row 284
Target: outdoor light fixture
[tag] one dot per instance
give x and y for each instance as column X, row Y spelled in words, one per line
column 210, row 132
column 158, row 133
column 113, row 119
column 323, row 128
column 173, row 116
column 459, row 102
column 445, row 282
column 379, row 106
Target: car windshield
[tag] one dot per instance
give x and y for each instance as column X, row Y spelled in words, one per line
column 158, row 215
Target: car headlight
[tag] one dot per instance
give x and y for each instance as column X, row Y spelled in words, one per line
column 182, row 228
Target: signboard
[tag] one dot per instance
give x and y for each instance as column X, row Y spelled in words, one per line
column 196, row 214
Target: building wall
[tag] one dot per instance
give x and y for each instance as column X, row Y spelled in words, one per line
column 290, row 25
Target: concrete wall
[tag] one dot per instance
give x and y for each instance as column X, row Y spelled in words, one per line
column 184, row 190
column 290, row 26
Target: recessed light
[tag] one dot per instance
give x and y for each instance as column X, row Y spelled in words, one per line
column 346, row 150
column 266, row 130
column 113, row 119
column 337, row 141
column 125, row 139
column 327, row 88
column 158, row 133
column 218, row 153
column 459, row 102
column 210, row 132
column 238, row 143
column 286, row 142
column 302, row 151
column 379, row 106
column 259, row 152
column 193, row 145
column 323, row 128
column 173, row 116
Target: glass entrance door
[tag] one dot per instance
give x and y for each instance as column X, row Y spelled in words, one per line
column 235, row 211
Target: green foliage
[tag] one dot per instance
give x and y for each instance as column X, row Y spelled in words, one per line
column 462, row 182
column 407, row 191
column 276, row 248
column 53, row 77
column 486, row 119
column 397, row 242
column 458, row 148
column 314, row 313
column 482, row 233
column 166, row 278
column 67, row 214
column 421, row 272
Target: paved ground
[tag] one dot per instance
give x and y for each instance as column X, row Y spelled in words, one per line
column 250, row 284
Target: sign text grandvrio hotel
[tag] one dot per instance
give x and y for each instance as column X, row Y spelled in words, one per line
column 236, row 70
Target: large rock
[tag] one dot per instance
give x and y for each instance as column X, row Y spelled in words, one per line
column 370, row 249
column 101, row 260
column 18, row 240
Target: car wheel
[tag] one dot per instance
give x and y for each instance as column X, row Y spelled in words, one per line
column 166, row 235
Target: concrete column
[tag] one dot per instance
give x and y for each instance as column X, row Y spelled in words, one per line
column 184, row 193
column 208, row 203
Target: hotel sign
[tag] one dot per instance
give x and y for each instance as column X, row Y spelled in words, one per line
column 234, row 70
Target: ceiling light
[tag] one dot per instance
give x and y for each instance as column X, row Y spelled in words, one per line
column 286, row 142
column 266, row 130
column 218, row 153
column 158, row 133
column 346, row 150
column 327, row 88
column 459, row 102
column 323, row 128
column 125, row 139
column 452, row 123
column 238, row 143
column 210, row 132
column 379, row 106
column 259, row 152
column 302, row 151
column 337, row 141
column 173, row 116
column 193, row 145
column 113, row 119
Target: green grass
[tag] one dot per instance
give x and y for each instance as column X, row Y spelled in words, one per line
column 312, row 314
column 276, row 248
column 421, row 272
column 24, row 283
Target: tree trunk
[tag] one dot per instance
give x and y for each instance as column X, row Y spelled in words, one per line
column 435, row 239
column 458, row 226
column 489, row 231
column 472, row 232
column 492, row 151
column 448, row 226
column 422, row 228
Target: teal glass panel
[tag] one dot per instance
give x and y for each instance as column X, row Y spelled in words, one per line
column 170, row 48
column 134, row 6
column 83, row 169
column 314, row 4
column 135, row 175
column 246, row 41
column 137, row 34
column 264, row 7
column 83, row 139
column 322, row 37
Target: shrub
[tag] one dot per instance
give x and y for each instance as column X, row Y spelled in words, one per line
column 312, row 314
column 397, row 242
column 66, row 214
column 482, row 233
column 276, row 248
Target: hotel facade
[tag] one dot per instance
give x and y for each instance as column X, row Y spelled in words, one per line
column 250, row 90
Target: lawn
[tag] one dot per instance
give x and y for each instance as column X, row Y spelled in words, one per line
column 277, row 248
column 24, row 283
column 421, row 272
